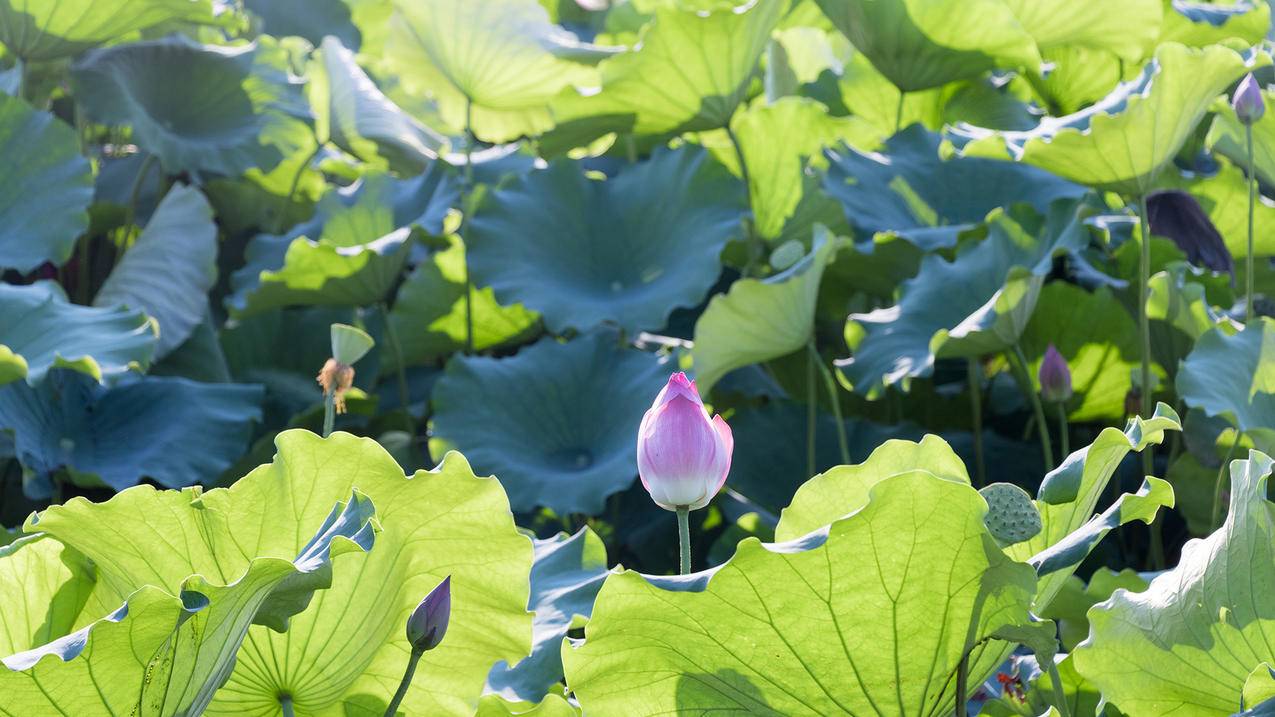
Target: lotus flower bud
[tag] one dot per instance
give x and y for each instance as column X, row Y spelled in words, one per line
column 1247, row 101
column 683, row 457
column 1054, row 376
column 428, row 623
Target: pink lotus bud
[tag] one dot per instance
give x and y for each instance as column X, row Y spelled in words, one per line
column 683, row 457
column 1247, row 101
column 1055, row 377
column 428, row 623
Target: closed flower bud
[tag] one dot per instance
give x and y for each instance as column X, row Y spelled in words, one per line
column 1055, row 377
column 428, row 623
column 1247, row 101
column 683, row 457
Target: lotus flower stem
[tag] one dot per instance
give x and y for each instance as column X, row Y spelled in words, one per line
column 466, row 189
column 684, row 538
column 1144, row 325
column 831, row 385
column 1252, row 199
column 976, row 413
column 282, row 222
column 285, row 705
column 755, row 249
column 962, row 676
column 1063, row 438
column 136, row 191
column 397, row 348
column 406, row 682
column 329, row 412
column 1060, row 697
column 1019, row 362
column 1221, row 480
column 898, row 112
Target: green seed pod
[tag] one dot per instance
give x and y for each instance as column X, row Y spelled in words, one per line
column 1011, row 515
column 349, row 344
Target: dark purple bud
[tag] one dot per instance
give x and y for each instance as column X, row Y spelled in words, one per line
column 1247, row 100
column 1177, row 215
column 1055, row 377
column 428, row 623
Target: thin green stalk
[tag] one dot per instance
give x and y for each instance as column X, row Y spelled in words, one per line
column 755, row 248
column 830, row 385
column 1221, row 478
column 1144, row 326
column 83, row 275
column 285, row 705
column 405, row 683
column 392, row 336
column 466, row 188
column 684, row 538
column 898, row 112
column 1060, row 697
column 1025, row 380
column 962, row 676
column 1252, row 199
column 976, row 413
column 136, row 191
column 630, row 148
column 1064, row 439
column 329, row 412
column 811, row 416
column 282, row 223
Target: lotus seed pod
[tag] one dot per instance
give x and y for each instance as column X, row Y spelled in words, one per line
column 1012, row 517
column 349, row 343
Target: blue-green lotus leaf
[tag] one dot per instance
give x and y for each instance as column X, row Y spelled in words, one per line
column 171, row 430
column 909, row 190
column 40, row 330
column 565, row 578
column 1234, row 377
column 314, row 20
column 557, row 423
column 203, row 109
column 626, row 251
column 46, row 191
column 43, row 30
column 1199, row 24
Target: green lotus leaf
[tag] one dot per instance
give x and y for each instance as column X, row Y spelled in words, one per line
column 1227, row 138
column 567, row 574
column 175, row 610
column 364, row 122
column 346, row 653
column 492, row 66
column 202, row 109
column 41, row 330
column 556, row 422
column 550, row 706
column 909, row 190
column 1143, row 505
column 1069, row 606
column 1198, row 24
column 1189, row 642
column 41, row 30
column 1234, row 377
column 1081, row 76
column 867, row 93
column 174, row 431
column 738, row 638
column 1127, row 29
column 920, row 44
column 169, row 269
column 1000, row 278
column 690, row 69
column 47, row 191
column 627, row 250
column 313, row 20
column 1180, row 314
column 45, row 587
column 429, row 311
column 1124, row 141
column 353, row 250
column 761, row 319
column 269, row 201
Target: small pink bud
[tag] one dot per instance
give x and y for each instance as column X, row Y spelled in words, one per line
column 683, row 457
column 1247, row 101
column 1054, row 376
column 428, row 623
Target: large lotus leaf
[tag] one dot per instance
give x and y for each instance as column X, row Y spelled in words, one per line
column 556, row 423
column 1123, row 142
column 909, row 190
column 627, row 250
column 920, row 44
column 1189, row 642
column 1203, row 23
column 1127, row 29
column 429, row 311
column 1080, row 77
column 975, row 304
column 900, row 590
column 203, row 109
column 268, row 201
column 567, row 574
column 169, row 270
column 176, row 610
column 1234, row 377
column 44, row 586
column 46, row 191
column 1227, row 138
column 346, row 653
column 353, row 250
column 40, row 330
column 43, row 30
column 761, row 319
column 174, row 431
column 364, row 122
column 493, row 65
column 550, row 706
column 314, row 20
column 868, row 94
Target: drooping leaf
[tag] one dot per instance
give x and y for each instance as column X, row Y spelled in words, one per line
column 567, row 574
column 909, row 190
column 1234, row 377
column 738, row 638
column 40, row 30
column 1199, row 24
column 169, row 270
column 171, row 430
column 41, row 330
column 45, row 586
column 556, row 423
column 203, row 109
column 1190, row 641
column 627, row 250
